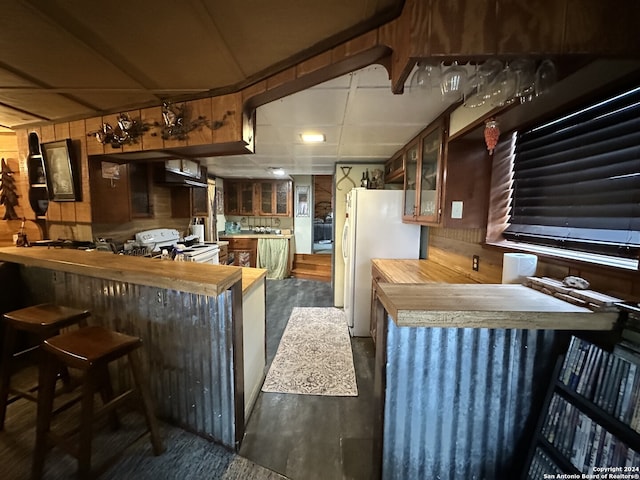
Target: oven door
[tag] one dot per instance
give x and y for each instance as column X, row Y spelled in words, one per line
column 210, row 256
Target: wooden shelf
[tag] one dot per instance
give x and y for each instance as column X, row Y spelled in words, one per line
column 486, row 306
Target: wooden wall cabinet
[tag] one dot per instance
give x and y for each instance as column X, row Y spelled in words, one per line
column 423, row 176
column 190, row 201
column 275, row 198
column 258, row 198
column 446, row 183
column 123, row 199
column 239, row 197
column 394, row 168
column 243, row 251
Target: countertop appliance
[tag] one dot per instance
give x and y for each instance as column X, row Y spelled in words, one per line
column 158, row 239
column 373, row 229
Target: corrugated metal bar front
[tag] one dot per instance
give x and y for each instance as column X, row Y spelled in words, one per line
column 187, row 344
column 457, row 400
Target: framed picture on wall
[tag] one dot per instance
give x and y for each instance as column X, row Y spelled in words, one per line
column 61, row 171
column 302, row 201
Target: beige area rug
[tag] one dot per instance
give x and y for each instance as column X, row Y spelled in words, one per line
column 314, row 356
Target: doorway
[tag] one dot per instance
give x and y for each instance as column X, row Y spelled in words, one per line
column 323, row 214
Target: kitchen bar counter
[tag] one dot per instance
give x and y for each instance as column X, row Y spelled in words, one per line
column 461, row 360
column 206, row 356
column 486, row 306
column 189, row 277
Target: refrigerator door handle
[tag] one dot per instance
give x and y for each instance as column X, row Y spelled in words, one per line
column 345, row 240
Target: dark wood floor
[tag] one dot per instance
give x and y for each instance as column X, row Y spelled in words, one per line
column 308, row 437
column 301, row 436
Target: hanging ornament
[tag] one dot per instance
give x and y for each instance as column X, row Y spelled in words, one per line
column 491, row 134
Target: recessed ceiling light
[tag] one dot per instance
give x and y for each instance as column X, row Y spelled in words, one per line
column 313, row 137
column 277, row 171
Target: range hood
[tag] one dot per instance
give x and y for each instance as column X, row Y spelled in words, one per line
column 180, row 173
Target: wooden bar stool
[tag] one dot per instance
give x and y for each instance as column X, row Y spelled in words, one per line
column 90, row 350
column 41, row 321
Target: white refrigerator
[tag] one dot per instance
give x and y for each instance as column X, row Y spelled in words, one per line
column 373, row 229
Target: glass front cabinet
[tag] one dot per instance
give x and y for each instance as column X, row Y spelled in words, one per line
column 423, row 176
column 275, row 198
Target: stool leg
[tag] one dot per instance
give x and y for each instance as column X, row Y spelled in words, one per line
column 106, row 393
column 5, row 370
column 147, row 404
column 86, row 423
column 46, row 392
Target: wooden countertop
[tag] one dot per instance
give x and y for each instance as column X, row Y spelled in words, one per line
column 251, row 278
column 190, row 277
column 416, row 271
column 486, row 306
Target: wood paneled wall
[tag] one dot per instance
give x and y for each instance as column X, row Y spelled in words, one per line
column 9, row 151
column 322, row 185
column 455, row 248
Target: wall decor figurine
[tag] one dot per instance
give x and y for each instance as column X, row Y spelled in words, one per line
column 126, row 132
column 177, row 124
column 8, row 192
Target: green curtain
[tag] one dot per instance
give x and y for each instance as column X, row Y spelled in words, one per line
column 273, row 254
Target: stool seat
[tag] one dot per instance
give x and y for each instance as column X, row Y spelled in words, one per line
column 41, row 322
column 90, row 350
column 41, row 318
column 84, row 348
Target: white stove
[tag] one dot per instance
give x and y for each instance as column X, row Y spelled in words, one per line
column 157, row 239
column 199, row 252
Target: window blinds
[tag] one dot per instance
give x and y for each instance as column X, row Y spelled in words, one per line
column 577, row 180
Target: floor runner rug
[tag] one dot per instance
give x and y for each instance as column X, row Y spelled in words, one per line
column 314, row 356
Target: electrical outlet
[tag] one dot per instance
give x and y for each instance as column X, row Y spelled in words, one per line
column 476, row 263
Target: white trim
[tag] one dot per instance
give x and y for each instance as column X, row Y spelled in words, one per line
column 592, row 258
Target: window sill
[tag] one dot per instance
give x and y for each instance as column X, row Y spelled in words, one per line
column 625, row 264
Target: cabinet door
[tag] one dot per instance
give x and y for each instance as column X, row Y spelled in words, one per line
column 246, row 198
column 266, row 198
column 430, row 176
column 231, row 198
column 139, row 183
column 275, row 198
column 394, row 168
column 283, row 198
column 410, row 181
column 243, row 251
column 110, row 198
column 199, row 201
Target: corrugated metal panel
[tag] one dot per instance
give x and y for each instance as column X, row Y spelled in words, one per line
column 457, row 400
column 187, row 343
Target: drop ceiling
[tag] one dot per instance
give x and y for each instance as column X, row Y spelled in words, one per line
column 363, row 122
